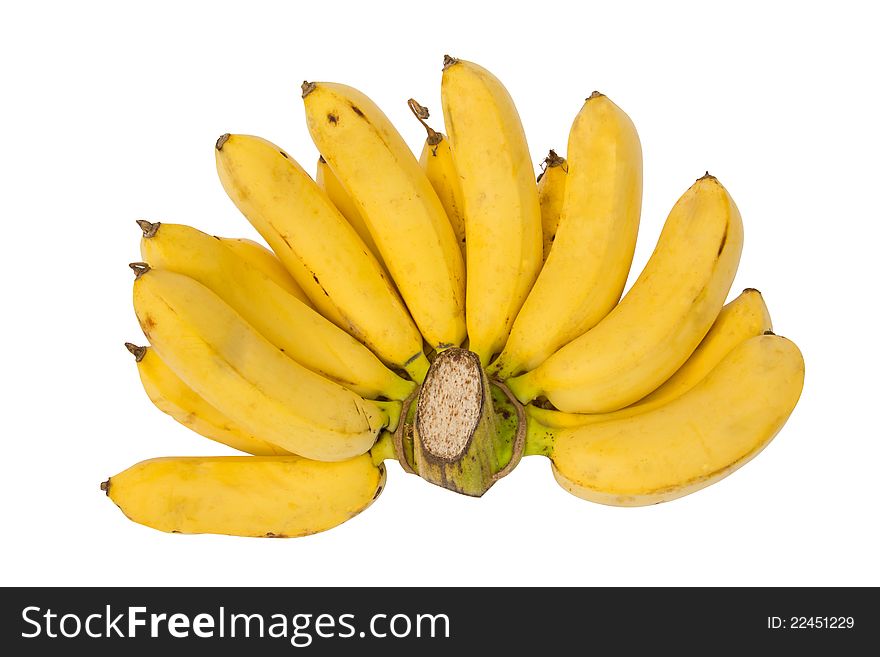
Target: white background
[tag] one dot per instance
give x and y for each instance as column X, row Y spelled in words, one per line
column 110, row 112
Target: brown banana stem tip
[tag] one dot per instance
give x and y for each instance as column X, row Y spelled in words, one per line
column 595, row 94
column 421, row 113
column 769, row 332
column 399, row 431
column 105, row 486
column 519, row 440
column 752, row 289
column 308, row 87
column 150, row 229
column 137, row 352
column 553, row 160
column 448, row 61
column 708, row 176
column 222, row 139
column 139, row 268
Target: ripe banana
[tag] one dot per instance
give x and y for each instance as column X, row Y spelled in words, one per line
column 319, row 248
column 298, row 330
column 261, row 258
column 274, row 497
column 398, row 204
column 688, row 443
column 439, row 166
column 236, row 370
column 551, row 193
column 593, row 249
column 743, row 318
column 334, row 190
column 502, row 215
column 662, row 319
column 173, row 397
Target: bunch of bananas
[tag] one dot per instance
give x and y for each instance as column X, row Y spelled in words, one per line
column 449, row 313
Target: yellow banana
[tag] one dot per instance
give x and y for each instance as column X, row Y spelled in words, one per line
column 743, row 318
column 587, row 267
column 398, row 204
column 662, row 319
column 298, row 330
column 261, row 258
column 334, row 190
column 439, row 166
column 688, row 443
column 319, row 248
column 502, row 215
column 236, row 370
column 265, row 496
column 173, row 397
column 551, row 193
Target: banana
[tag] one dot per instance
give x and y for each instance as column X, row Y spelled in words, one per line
column 261, row 258
column 551, row 193
column 236, row 370
column 319, row 248
column 587, row 267
column 398, row 204
column 274, row 497
column 173, row 397
column 688, row 443
column 298, row 330
column 660, row 321
column 334, row 190
column 439, row 166
column 502, row 215
column 743, row 318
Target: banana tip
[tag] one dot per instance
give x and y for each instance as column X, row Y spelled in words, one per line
column 307, row 88
column 136, row 351
column 707, row 176
column 553, row 159
column 139, row 268
column 753, row 289
column 150, row 229
column 448, row 61
column 105, row 486
column 595, row 94
column 222, row 139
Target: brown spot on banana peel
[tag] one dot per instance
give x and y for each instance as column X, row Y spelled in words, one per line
column 357, row 110
column 332, row 119
column 136, row 351
column 222, row 139
column 723, row 239
column 149, row 229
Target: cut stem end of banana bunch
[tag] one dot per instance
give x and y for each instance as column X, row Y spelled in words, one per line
column 462, row 433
